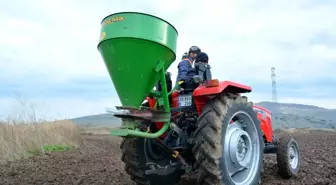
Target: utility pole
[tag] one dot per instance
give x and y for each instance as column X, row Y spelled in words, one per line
column 274, row 93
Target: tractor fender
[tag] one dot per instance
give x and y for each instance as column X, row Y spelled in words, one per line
column 202, row 93
column 227, row 86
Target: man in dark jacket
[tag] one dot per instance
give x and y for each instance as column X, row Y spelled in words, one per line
column 185, row 68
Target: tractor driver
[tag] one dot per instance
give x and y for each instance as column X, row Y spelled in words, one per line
column 185, row 67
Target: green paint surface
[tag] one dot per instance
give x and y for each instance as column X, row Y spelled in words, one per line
column 132, row 45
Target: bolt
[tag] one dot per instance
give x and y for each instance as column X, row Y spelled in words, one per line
column 172, row 126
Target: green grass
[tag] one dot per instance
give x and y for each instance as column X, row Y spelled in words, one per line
column 46, row 148
column 54, row 148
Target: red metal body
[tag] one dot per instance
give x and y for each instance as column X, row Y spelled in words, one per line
column 201, row 95
column 202, row 92
column 159, row 125
column 152, row 101
column 265, row 121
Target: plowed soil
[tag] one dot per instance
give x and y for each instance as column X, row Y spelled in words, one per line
column 97, row 161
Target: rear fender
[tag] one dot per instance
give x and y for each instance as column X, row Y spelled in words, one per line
column 225, row 86
column 202, row 93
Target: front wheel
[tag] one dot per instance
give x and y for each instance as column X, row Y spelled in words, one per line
column 288, row 157
column 229, row 145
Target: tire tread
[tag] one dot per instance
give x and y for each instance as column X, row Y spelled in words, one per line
column 208, row 135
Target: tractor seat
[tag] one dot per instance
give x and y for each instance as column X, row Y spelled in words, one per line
column 203, row 70
column 204, row 74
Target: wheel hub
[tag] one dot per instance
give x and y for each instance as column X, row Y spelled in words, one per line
column 240, row 148
column 293, row 157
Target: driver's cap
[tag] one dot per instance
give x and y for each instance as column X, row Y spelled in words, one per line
column 194, row 49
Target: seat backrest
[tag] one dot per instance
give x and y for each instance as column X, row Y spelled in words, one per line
column 203, row 70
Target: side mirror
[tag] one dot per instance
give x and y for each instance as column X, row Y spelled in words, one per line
column 198, row 79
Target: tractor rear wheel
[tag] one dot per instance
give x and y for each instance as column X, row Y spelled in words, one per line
column 135, row 155
column 288, row 157
column 229, row 144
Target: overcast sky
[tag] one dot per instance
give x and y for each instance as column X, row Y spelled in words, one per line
column 48, row 51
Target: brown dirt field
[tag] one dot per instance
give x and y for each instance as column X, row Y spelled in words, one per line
column 98, row 162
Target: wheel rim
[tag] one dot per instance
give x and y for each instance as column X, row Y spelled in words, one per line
column 293, row 156
column 241, row 149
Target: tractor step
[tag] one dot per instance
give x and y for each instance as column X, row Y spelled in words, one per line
column 270, row 148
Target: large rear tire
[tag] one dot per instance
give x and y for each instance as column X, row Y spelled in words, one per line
column 228, row 153
column 135, row 159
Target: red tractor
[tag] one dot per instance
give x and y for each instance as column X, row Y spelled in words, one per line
column 207, row 126
column 287, row 148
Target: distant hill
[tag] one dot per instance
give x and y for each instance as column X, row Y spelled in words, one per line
column 99, row 120
column 285, row 115
column 292, row 115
